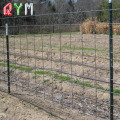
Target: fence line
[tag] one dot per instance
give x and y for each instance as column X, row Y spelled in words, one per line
column 63, row 58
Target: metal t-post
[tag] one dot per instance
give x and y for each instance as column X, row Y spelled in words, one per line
column 8, row 60
column 111, row 58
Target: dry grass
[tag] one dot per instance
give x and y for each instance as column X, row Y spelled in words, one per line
column 102, row 28
column 116, row 29
column 91, row 27
column 88, row 27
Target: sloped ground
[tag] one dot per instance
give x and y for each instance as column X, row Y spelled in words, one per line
column 12, row 108
column 37, row 64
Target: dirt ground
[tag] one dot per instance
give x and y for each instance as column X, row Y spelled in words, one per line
column 83, row 56
column 12, row 108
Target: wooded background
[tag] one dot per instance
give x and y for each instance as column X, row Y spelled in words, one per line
column 85, row 10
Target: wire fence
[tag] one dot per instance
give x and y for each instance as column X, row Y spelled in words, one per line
column 64, row 59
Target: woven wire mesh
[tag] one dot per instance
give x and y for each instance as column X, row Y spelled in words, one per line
column 53, row 59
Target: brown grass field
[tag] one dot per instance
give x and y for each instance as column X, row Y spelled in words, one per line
column 68, row 69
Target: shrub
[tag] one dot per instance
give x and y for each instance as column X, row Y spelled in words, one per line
column 102, row 28
column 116, row 29
column 88, row 27
column 91, row 27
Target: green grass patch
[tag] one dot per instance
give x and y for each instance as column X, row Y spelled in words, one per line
column 16, row 67
column 35, row 77
column 45, row 81
column 88, row 85
column 43, row 72
column 76, row 81
column 83, row 48
column 63, row 78
column 2, row 64
column 68, row 79
column 26, row 69
column 78, row 48
column 97, row 86
column 21, row 68
column 116, row 91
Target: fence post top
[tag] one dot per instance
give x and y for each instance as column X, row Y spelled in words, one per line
column 110, row 1
column 6, row 28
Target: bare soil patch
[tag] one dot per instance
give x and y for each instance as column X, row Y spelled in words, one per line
column 72, row 70
column 12, row 108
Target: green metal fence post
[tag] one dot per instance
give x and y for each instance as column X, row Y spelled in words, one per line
column 111, row 58
column 8, row 60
